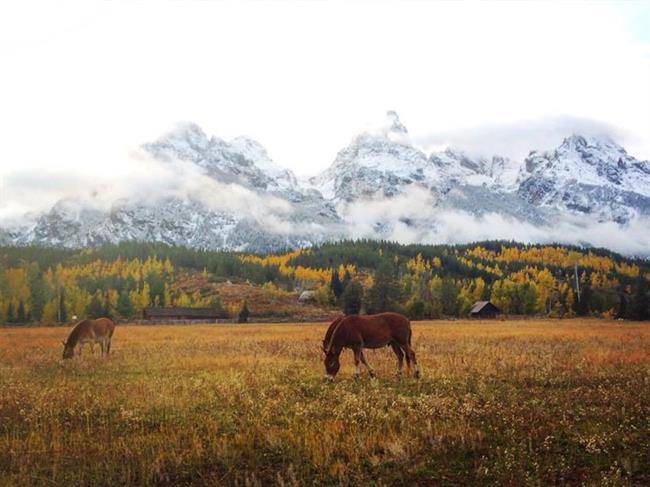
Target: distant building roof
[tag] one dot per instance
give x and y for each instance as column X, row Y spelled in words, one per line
column 306, row 296
column 479, row 305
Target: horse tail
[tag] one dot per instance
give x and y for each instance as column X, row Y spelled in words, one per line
column 410, row 330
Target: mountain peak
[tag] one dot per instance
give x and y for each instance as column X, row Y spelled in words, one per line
column 255, row 152
column 392, row 129
column 188, row 132
column 186, row 141
column 249, row 147
column 581, row 153
column 574, row 140
column 394, row 123
column 581, row 143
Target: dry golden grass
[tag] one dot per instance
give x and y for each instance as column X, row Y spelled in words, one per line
column 516, row 403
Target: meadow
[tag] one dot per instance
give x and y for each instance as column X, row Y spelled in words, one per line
column 531, row 402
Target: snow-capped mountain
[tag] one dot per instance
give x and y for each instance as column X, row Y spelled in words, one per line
column 238, row 199
column 385, row 164
column 588, row 175
column 232, row 195
column 377, row 163
column 242, row 160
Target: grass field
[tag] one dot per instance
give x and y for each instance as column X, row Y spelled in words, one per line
column 514, row 403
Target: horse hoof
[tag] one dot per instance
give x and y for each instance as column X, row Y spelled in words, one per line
column 329, row 378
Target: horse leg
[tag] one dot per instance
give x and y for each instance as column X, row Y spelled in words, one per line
column 407, row 357
column 410, row 356
column 371, row 372
column 108, row 346
column 400, row 357
column 357, row 359
column 92, row 348
column 101, row 346
column 81, row 346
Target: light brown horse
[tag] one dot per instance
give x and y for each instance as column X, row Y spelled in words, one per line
column 91, row 332
column 372, row 331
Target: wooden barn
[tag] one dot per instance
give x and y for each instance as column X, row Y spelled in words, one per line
column 484, row 309
column 180, row 314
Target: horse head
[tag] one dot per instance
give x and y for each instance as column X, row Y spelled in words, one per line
column 68, row 351
column 332, row 363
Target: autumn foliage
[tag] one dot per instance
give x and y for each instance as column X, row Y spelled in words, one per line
column 423, row 281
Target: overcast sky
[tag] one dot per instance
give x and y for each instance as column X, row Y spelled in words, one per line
column 84, row 83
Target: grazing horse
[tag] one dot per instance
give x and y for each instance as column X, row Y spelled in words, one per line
column 372, row 331
column 91, row 332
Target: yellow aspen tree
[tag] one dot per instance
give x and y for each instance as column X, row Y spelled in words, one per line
column 50, row 311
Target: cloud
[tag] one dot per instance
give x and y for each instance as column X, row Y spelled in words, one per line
column 462, row 227
column 412, row 217
column 25, row 191
column 148, row 182
column 516, row 139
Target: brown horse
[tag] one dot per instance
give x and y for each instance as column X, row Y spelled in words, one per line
column 372, row 331
column 91, row 332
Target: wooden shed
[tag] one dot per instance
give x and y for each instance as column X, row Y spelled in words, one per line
column 484, row 309
column 180, row 313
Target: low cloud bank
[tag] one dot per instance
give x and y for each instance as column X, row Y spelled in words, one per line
column 515, row 140
column 413, row 217
column 150, row 181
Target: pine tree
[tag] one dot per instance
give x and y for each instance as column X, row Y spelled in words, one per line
column 62, row 311
column 125, row 307
column 347, row 278
column 107, row 312
column 335, row 284
column 11, row 318
column 352, row 298
column 622, row 304
column 581, row 306
column 449, row 297
column 639, row 305
column 95, row 308
column 384, row 294
column 21, row 316
column 243, row 314
column 37, row 293
column 415, row 309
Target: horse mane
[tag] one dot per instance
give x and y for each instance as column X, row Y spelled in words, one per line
column 73, row 336
column 329, row 336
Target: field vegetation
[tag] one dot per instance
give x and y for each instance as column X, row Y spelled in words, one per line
column 502, row 402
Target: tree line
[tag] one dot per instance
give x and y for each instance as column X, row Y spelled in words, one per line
column 437, row 281
column 422, row 281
